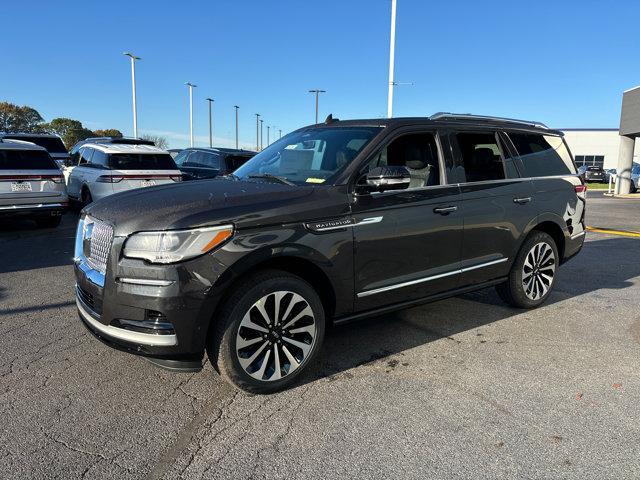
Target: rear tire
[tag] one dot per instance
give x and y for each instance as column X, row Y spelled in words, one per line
column 267, row 332
column 48, row 222
column 533, row 272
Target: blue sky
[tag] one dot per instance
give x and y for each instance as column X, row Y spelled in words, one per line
column 565, row 63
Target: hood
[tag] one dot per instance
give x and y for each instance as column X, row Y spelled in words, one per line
column 198, row 203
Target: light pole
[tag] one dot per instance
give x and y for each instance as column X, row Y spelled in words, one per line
column 261, row 121
column 210, row 101
column 268, row 128
column 317, row 92
column 257, row 132
column 392, row 52
column 133, row 89
column 279, row 134
column 191, row 86
column 236, row 107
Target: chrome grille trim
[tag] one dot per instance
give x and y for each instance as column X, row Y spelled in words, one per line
column 99, row 246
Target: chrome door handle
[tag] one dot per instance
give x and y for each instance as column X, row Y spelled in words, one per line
column 522, row 200
column 445, row 210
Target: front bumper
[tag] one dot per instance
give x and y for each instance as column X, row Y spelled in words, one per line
column 159, row 311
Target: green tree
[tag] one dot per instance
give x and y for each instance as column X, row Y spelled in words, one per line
column 14, row 118
column 161, row 142
column 70, row 130
column 109, row 132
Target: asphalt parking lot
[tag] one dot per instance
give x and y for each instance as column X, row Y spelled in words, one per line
column 463, row 387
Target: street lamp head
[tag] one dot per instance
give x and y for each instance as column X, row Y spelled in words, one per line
column 317, row 90
column 131, row 55
column 189, row 84
column 236, row 106
column 209, row 99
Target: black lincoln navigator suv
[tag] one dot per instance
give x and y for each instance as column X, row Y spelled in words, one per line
column 331, row 223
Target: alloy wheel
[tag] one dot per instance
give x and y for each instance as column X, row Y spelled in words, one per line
column 276, row 336
column 538, row 271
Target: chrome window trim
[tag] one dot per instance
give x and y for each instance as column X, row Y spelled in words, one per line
column 138, row 338
column 375, row 291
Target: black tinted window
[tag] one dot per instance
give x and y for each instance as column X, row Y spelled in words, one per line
column 543, row 155
column 141, row 161
column 481, row 157
column 181, row 157
column 236, row 161
column 203, row 159
column 52, row 144
column 26, row 160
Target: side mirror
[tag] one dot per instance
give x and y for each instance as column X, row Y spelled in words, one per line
column 381, row 179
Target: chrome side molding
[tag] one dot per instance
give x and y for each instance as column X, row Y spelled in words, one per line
column 375, row 291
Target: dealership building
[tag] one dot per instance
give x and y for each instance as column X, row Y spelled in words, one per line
column 596, row 146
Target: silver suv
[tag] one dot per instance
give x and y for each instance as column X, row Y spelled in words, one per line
column 31, row 184
column 52, row 143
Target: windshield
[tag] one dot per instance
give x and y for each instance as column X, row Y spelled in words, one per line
column 26, row 160
column 52, row 144
column 310, row 156
column 142, row 161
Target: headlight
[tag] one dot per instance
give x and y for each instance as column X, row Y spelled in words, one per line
column 175, row 246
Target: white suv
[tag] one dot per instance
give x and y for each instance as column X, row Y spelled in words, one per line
column 99, row 170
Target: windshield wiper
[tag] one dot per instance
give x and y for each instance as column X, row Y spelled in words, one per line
column 268, row 176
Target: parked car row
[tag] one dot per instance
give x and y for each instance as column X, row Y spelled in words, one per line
column 93, row 169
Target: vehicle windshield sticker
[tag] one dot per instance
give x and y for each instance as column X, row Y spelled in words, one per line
column 314, row 180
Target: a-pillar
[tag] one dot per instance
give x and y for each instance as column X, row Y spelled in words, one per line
column 625, row 163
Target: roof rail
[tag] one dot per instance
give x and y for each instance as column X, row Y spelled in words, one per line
column 441, row 115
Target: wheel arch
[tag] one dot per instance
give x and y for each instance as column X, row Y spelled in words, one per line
column 294, row 263
column 551, row 226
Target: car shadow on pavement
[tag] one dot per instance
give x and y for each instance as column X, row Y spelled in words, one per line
column 24, row 246
column 603, row 264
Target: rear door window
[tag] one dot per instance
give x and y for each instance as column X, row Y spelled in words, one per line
column 482, row 157
column 26, row 160
column 203, row 160
column 141, row 161
column 99, row 159
column 542, row 155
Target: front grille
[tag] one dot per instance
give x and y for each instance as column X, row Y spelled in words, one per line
column 99, row 246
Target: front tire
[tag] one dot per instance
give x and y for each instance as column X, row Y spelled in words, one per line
column 267, row 333
column 533, row 272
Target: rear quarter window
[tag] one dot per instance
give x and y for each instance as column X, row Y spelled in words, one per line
column 142, row 161
column 26, row 160
column 542, row 155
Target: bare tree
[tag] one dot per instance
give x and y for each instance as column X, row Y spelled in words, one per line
column 161, row 142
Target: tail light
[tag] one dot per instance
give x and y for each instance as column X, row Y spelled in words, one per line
column 109, row 178
column 581, row 189
column 57, row 179
column 176, row 178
